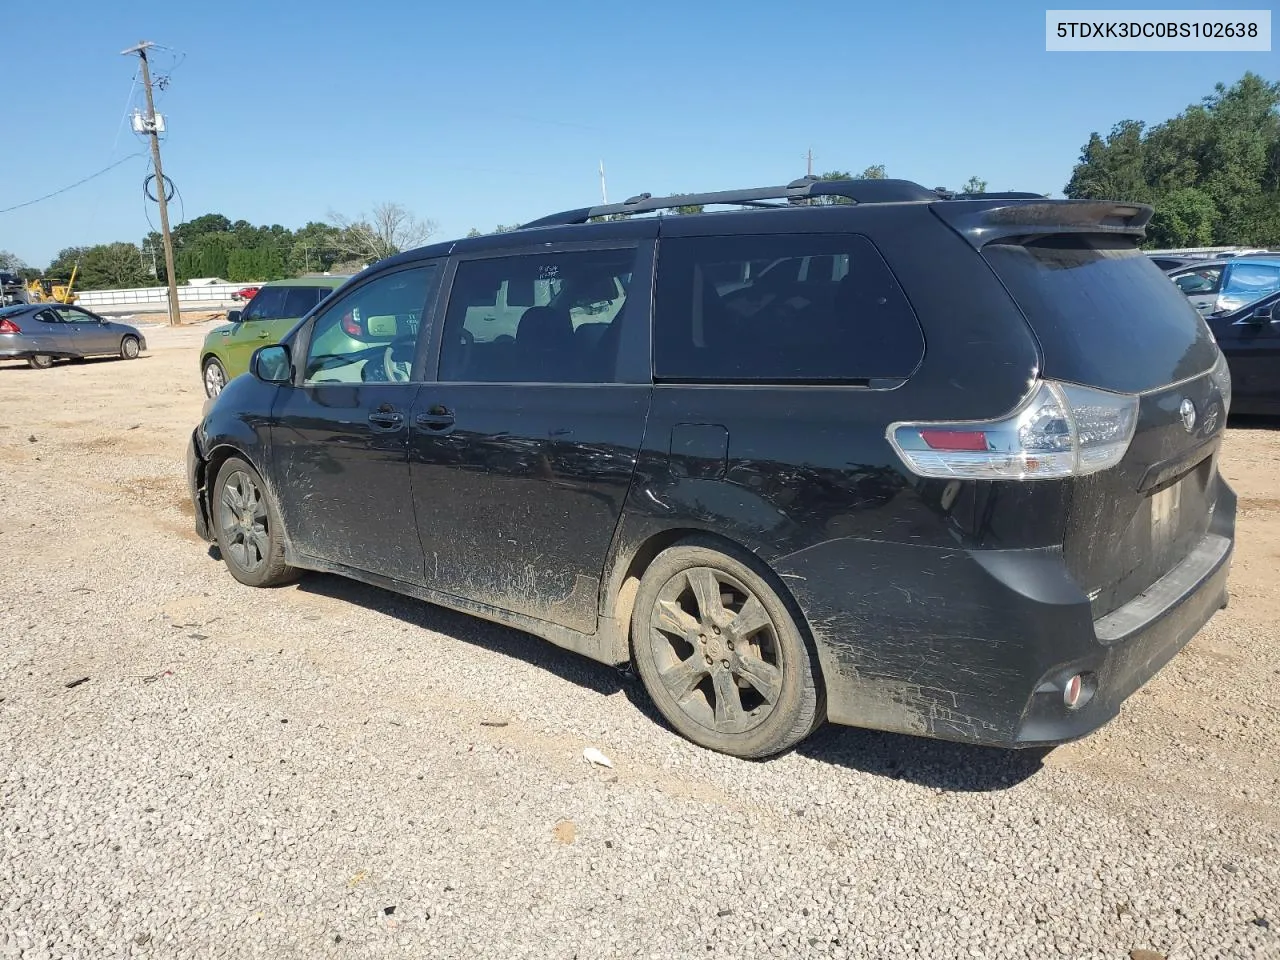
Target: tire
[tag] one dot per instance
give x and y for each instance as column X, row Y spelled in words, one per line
column 214, row 376
column 40, row 361
column 130, row 348
column 247, row 527
column 697, row 667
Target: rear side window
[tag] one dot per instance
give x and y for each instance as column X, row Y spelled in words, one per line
column 1105, row 315
column 781, row 308
column 1252, row 281
column 299, row 300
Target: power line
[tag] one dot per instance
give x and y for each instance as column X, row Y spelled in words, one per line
column 49, row 196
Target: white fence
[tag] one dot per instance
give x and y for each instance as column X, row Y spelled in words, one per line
column 204, row 293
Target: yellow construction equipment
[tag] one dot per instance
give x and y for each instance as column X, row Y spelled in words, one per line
column 47, row 290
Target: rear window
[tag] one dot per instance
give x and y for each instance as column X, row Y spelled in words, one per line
column 781, row 308
column 1105, row 315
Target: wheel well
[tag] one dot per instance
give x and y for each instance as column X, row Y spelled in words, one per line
column 207, row 357
column 624, row 597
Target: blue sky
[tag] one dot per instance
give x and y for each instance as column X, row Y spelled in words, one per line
column 473, row 114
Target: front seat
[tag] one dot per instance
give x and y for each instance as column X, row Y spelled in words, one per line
column 544, row 345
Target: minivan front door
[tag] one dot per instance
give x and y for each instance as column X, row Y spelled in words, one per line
column 522, row 451
column 340, row 431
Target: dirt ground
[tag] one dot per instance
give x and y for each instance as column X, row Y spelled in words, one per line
column 106, row 441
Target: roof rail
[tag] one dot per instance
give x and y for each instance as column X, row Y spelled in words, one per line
column 795, row 192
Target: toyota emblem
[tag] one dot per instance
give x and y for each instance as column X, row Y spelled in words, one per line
column 1187, row 411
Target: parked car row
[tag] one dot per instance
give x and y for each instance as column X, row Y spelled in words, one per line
column 715, row 446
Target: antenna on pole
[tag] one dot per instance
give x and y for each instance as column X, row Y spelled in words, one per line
column 809, row 163
column 604, row 192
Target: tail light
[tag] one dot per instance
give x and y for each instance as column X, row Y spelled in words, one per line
column 8, row 326
column 1062, row 430
column 1221, row 376
column 350, row 325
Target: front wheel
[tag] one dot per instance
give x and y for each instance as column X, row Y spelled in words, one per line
column 41, row 361
column 129, row 348
column 215, row 377
column 248, row 528
column 720, row 652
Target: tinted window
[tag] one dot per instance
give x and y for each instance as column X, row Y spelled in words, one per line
column 547, row 317
column 267, row 304
column 1104, row 314
column 781, row 308
column 299, row 300
column 370, row 334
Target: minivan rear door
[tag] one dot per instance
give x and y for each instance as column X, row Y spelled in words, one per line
column 1107, row 317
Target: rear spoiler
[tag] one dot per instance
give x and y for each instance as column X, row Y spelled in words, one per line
column 1000, row 221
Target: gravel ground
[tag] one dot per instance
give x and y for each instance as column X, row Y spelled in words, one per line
column 327, row 770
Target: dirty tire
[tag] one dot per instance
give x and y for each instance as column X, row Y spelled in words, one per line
column 720, row 653
column 214, row 376
column 247, row 526
column 129, row 348
column 41, row 361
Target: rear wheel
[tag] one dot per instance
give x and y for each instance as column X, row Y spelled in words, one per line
column 720, row 653
column 129, row 348
column 40, row 361
column 215, row 378
column 247, row 526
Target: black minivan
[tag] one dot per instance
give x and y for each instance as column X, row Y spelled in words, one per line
column 856, row 451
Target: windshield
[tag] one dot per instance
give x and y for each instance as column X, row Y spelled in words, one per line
column 1247, row 282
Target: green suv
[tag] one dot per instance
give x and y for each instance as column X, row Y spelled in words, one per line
column 271, row 314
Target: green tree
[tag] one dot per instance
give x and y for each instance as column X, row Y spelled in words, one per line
column 109, row 266
column 1212, row 172
column 974, row 185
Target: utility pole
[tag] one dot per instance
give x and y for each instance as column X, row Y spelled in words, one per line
column 604, row 193
column 175, row 316
column 809, row 163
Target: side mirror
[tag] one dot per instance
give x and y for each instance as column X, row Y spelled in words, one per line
column 233, row 316
column 1264, row 314
column 272, row 364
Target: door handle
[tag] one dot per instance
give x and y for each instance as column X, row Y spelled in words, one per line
column 386, row 418
column 438, row 419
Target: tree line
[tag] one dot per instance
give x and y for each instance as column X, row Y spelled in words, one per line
column 1212, row 173
column 214, row 246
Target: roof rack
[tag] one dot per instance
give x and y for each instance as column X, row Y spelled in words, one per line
column 794, row 193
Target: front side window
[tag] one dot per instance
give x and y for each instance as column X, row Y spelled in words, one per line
column 1204, row 280
column 371, row 334
column 537, row 318
column 781, row 308
column 268, row 304
column 72, row 315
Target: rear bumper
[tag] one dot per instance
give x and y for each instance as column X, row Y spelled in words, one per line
column 977, row 646
column 196, row 479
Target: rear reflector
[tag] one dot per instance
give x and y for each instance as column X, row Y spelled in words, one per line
column 1061, row 430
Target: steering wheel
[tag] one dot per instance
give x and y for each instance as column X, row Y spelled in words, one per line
column 395, row 371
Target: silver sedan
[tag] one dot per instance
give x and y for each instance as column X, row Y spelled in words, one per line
column 43, row 332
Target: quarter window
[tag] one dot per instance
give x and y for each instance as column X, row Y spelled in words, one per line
column 791, row 308
column 371, row 334
column 547, row 317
